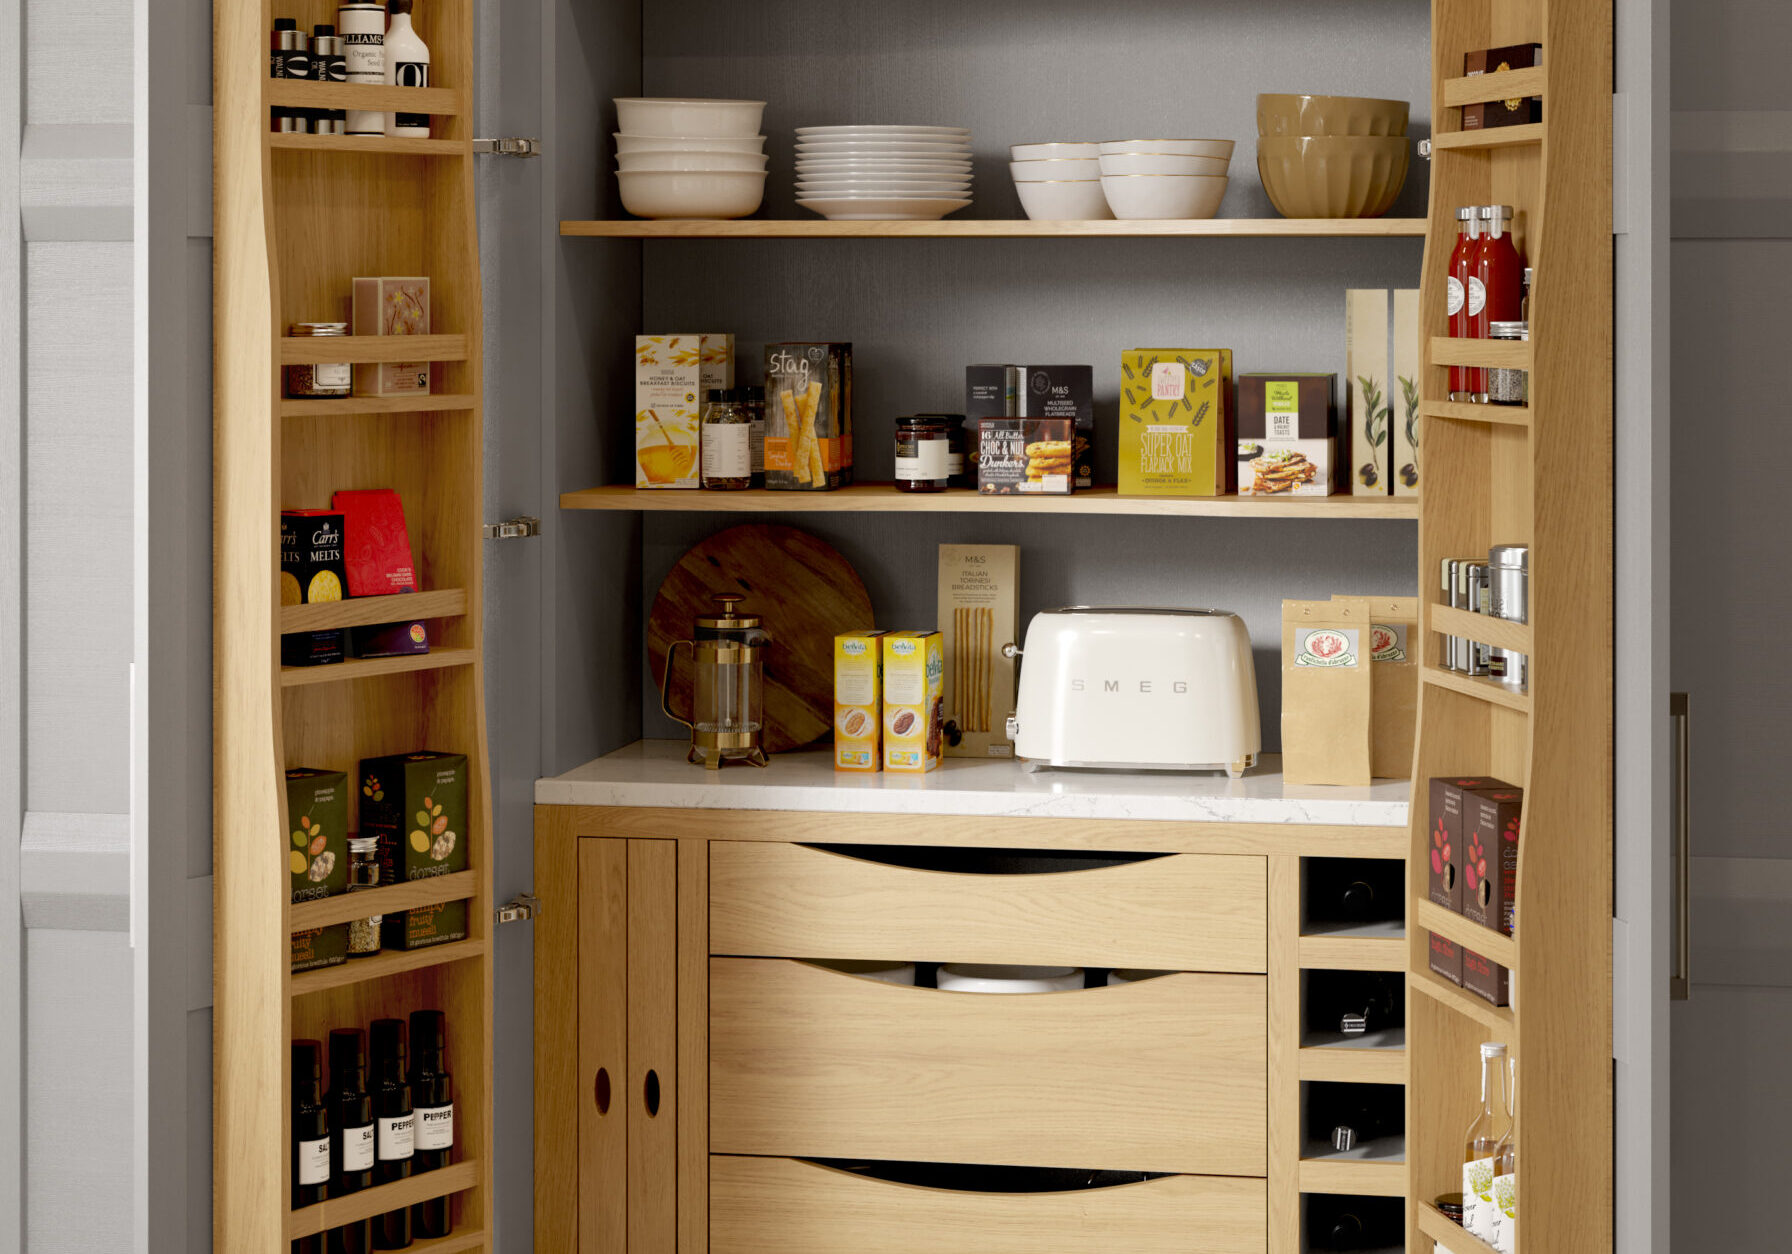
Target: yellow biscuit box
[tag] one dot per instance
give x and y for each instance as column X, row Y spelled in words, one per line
column 1176, row 435
column 914, row 700
column 858, row 701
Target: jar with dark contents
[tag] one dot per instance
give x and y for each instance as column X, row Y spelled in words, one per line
column 960, row 471
column 364, row 873
column 923, row 453
column 312, row 380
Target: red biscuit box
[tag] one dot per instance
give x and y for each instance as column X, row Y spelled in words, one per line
column 377, row 561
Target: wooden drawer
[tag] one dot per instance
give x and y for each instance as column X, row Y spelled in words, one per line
column 1167, row 1074
column 1181, row 912
column 782, row 1206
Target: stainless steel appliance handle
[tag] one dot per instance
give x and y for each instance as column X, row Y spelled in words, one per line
column 1680, row 982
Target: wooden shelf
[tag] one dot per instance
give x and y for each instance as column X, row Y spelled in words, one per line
column 298, row 349
column 1501, row 354
column 389, row 900
column 389, row 962
column 1450, row 1234
column 882, row 498
column 1491, row 691
column 336, row 1211
column 1492, row 945
column 1459, row 411
column 1370, row 1177
column 292, row 407
column 1502, row 85
column 454, row 1243
column 1337, row 1058
column 368, row 668
column 378, row 144
column 1498, row 1020
column 1484, row 628
column 368, row 611
column 300, row 93
column 1352, row 953
column 1493, row 137
column 996, row 228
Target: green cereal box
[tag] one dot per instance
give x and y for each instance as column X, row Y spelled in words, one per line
column 1176, row 422
column 416, row 804
column 317, row 856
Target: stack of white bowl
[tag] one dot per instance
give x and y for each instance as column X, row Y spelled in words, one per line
column 864, row 173
column 1059, row 182
column 678, row 158
column 1164, row 178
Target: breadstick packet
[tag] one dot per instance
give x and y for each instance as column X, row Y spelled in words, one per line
column 808, row 435
column 978, row 606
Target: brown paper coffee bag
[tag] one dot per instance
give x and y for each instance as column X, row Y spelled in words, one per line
column 1394, row 684
column 1326, row 691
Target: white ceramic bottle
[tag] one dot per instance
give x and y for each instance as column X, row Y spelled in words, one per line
column 407, row 65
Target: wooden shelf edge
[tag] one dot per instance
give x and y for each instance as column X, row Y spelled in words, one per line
column 882, row 498
column 444, row 402
column 390, row 962
column 1492, row 137
column 300, row 93
column 1352, row 953
column 994, row 228
column 1489, row 690
column 1460, row 411
column 1366, row 1177
column 1447, row 350
column 1485, row 628
column 1490, row 944
column 1449, row 1234
column 1501, row 85
column 336, row 1211
column 368, row 611
column 1351, row 1066
column 388, row 900
column 366, row 349
column 377, row 144
column 1498, row 1020
column 453, row 1243
column 368, row 668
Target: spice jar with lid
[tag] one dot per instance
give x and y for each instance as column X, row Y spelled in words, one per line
column 319, row 379
column 1509, row 597
column 727, row 454
column 923, row 453
column 364, row 873
column 1507, row 385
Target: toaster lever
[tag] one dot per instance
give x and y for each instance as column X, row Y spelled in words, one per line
column 1011, row 651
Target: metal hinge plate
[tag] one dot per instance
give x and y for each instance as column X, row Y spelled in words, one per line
column 510, row 146
column 519, row 909
column 512, row 528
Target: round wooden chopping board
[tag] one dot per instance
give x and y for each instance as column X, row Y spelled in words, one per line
column 804, row 593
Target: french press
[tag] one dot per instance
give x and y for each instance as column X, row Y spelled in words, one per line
column 727, row 719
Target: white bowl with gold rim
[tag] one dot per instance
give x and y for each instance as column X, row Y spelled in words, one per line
column 1160, row 163
column 1166, row 197
column 1054, row 170
column 1078, row 200
column 1174, row 147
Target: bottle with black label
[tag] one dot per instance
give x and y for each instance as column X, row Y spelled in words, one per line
column 396, row 1125
column 407, row 65
column 432, row 1102
column 351, row 1134
column 310, row 1137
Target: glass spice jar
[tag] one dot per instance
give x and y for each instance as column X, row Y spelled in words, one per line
column 307, row 380
column 364, row 873
column 923, row 453
column 727, row 456
column 1506, row 385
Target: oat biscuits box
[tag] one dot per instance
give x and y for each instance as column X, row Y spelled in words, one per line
column 1176, row 422
column 317, row 854
column 668, row 409
column 914, row 670
column 858, row 701
column 417, row 805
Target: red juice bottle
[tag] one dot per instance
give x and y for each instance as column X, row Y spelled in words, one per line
column 1456, row 303
column 1496, row 286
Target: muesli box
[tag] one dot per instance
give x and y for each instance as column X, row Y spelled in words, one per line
column 317, row 857
column 417, row 805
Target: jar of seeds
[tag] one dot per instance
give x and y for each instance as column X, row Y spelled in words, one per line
column 364, row 873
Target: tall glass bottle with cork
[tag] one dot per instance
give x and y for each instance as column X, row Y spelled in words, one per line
column 1488, row 1137
column 1505, row 1174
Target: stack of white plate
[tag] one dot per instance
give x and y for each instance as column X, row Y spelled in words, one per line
column 861, row 173
column 678, row 158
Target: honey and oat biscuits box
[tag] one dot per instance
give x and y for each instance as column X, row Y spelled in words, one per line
column 417, row 805
column 317, row 857
column 1176, row 422
column 914, row 673
column 668, row 409
column 858, row 701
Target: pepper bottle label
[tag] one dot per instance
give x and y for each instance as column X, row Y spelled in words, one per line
column 435, row 1127
column 397, row 1137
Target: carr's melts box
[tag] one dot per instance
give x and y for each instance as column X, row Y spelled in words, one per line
column 1490, row 818
column 377, row 558
column 858, row 701
column 668, row 409
column 1064, row 392
column 914, row 668
column 391, row 306
column 1287, row 434
column 311, row 570
column 317, row 809
column 1024, row 455
column 1176, row 422
column 1514, row 112
column 808, row 416
column 416, row 803
column 978, row 604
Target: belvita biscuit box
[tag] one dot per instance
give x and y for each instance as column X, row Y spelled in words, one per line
column 914, row 703
column 858, row 701
column 1176, row 422
column 417, row 805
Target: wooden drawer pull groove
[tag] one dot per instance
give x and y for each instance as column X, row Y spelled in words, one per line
column 603, row 1090
column 650, row 1093
column 945, row 860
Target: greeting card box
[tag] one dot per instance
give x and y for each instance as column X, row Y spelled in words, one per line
column 391, row 306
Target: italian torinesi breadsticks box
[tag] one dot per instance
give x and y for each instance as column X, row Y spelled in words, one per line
column 808, row 416
column 978, row 603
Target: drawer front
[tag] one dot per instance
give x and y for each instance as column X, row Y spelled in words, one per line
column 1167, row 1074
column 1181, row 912
column 781, row 1206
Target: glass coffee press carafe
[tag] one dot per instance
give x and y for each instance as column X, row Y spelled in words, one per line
column 727, row 719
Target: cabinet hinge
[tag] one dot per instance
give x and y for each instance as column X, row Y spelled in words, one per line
column 1425, row 149
column 519, row 909
column 512, row 528
column 510, row 146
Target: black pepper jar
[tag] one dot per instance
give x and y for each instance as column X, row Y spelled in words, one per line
column 397, row 1126
column 351, row 1134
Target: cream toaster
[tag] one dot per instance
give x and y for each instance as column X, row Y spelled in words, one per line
column 1136, row 689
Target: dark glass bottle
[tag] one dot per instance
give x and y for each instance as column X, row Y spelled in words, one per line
column 432, row 1101
column 1369, row 1004
column 396, row 1126
column 351, row 1134
column 310, row 1137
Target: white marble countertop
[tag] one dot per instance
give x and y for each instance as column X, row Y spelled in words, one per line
column 654, row 774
